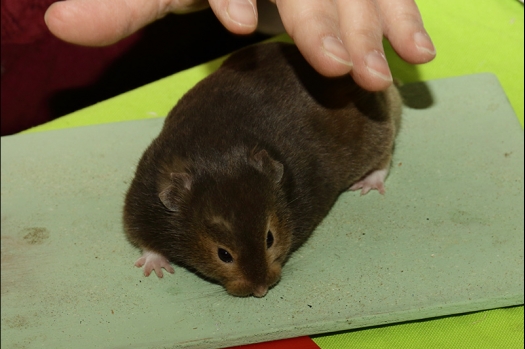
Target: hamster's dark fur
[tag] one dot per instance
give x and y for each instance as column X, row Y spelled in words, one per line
column 250, row 161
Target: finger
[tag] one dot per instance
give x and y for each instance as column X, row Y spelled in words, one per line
column 100, row 23
column 238, row 16
column 362, row 36
column 404, row 29
column 312, row 24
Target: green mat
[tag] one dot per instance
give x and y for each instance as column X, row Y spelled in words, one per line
column 446, row 238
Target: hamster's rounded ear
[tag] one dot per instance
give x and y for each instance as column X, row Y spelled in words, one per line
column 264, row 163
column 171, row 196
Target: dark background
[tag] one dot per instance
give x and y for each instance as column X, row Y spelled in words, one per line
column 44, row 78
column 168, row 46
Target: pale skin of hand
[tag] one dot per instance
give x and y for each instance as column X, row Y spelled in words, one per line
column 336, row 37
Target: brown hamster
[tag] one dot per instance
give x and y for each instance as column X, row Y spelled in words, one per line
column 250, row 161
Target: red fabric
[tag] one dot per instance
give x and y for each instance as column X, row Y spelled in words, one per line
column 291, row 343
column 36, row 65
column 23, row 20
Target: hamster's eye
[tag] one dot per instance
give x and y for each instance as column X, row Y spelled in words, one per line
column 225, row 256
column 269, row 239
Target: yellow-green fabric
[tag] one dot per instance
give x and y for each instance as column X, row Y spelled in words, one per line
column 493, row 329
column 470, row 37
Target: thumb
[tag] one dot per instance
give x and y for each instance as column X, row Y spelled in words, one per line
column 101, row 23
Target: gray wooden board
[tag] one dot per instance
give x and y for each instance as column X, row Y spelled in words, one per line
column 446, row 238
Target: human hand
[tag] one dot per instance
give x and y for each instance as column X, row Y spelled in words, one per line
column 336, row 37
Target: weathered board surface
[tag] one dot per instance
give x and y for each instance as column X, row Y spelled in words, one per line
column 446, row 238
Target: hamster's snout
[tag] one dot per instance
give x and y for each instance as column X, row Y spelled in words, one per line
column 243, row 287
column 256, row 291
column 260, row 291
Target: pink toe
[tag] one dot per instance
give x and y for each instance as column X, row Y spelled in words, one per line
column 356, row 186
column 140, row 262
column 158, row 271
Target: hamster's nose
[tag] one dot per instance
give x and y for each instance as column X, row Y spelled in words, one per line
column 260, row 291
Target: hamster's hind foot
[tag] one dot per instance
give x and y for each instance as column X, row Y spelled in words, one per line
column 373, row 180
column 154, row 261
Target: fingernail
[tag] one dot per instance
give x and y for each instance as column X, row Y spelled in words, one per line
column 242, row 12
column 424, row 44
column 376, row 64
column 333, row 48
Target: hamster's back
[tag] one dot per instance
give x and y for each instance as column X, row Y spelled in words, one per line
column 325, row 131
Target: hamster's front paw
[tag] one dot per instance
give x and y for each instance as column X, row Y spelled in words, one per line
column 154, row 261
column 374, row 180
